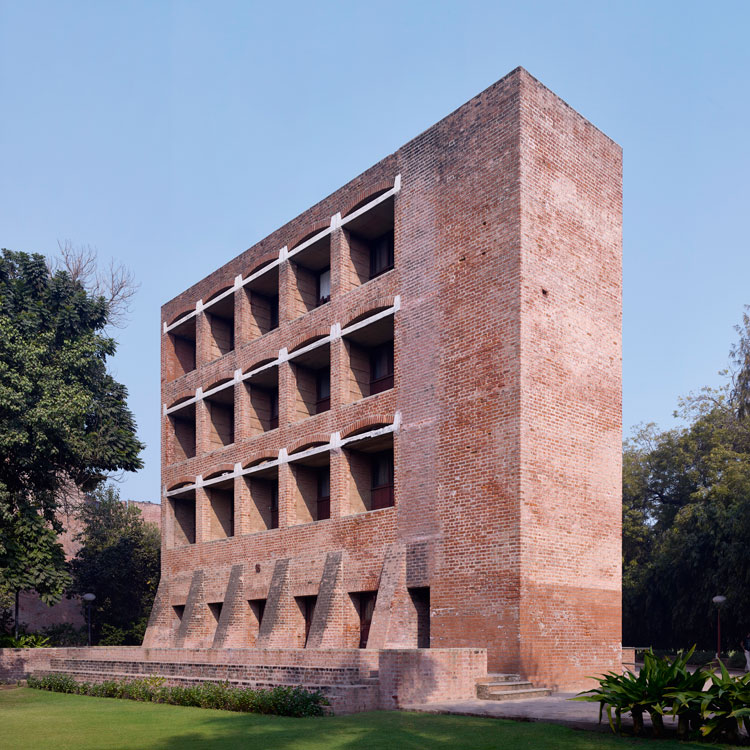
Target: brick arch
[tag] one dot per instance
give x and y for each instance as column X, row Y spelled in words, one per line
column 257, row 364
column 310, row 337
column 373, row 422
column 180, row 482
column 218, row 382
column 184, row 395
column 218, row 289
column 369, row 308
column 365, row 195
column 264, row 260
column 310, row 233
column 259, row 458
column 186, row 311
column 311, row 441
column 218, row 470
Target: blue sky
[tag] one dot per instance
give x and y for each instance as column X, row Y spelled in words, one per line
column 172, row 136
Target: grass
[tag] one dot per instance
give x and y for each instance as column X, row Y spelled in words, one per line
column 32, row 719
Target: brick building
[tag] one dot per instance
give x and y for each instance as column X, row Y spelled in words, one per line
column 395, row 423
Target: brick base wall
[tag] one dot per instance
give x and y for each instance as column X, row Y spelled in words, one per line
column 352, row 679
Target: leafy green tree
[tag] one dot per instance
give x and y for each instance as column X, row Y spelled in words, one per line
column 33, row 560
column 64, row 420
column 118, row 562
column 686, row 518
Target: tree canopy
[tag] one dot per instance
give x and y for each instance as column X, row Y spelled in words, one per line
column 686, row 518
column 64, row 419
column 118, row 562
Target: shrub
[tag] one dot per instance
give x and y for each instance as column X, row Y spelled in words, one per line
column 665, row 686
column 24, row 640
column 281, row 700
column 65, row 634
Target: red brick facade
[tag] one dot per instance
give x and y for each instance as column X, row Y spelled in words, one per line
column 500, row 322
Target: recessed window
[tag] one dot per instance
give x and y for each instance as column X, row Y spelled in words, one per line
column 371, row 474
column 263, row 509
column 263, row 296
column 381, row 368
column 221, row 509
column 263, row 390
column 324, row 286
column 257, row 609
column 182, row 508
column 370, row 354
column 182, row 422
column 311, row 487
column 306, row 606
column 220, row 318
column 181, row 349
column 312, row 381
column 369, row 239
column 311, row 271
column 364, row 605
column 420, row 598
column 220, row 407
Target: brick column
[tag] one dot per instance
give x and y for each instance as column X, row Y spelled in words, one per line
column 287, row 395
column 202, row 428
column 287, row 304
column 202, row 340
column 339, row 373
column 339, row 483
column 243, row 328
column 242, row 502
column 242, row 412
column 287, row 510
column 202, row 520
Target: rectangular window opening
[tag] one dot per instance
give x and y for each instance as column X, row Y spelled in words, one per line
column 183, row 515
column 312, row 494
column 181, row 351
column 221, row 419
column 263, row 510
column 263, row 296
column 312, row 276
column 306, row 606
column 364, row 603
column 371, row 474
column 182, row 423
column 220, row 319
column 370, row 241
column 221, row 510
column 312, row 382
column 420, row 598
column 371, row 360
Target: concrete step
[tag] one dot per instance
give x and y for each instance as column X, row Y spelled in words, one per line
column 507, row 685
column 493, row 677
column 499, row 694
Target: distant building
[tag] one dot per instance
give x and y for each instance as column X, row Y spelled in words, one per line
column 395, row 423
column 33, row 612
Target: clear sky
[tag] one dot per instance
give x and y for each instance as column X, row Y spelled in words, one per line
column 174, row 135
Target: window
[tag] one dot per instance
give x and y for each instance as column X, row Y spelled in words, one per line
column 382, row 480
column 220, row 509
column 263, row 295
column 364, row 602
column 324, row 493
column 323, row 390
column 381, row 254
column 274, row 506
column 220, row 317
column 381, row 368
column 263, row 388
column 324, row 286
column 183, row 513
column 258, row 608
column 306, row 606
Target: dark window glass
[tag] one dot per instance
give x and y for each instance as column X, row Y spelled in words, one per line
column 381, row 489
column 324, row 286
column 323, row 390
column 381, row 254
column 381, row 368
column 324, row 493
column 273, row 417
column 274, row 506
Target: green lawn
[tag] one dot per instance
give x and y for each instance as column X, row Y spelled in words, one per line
column 33, row 719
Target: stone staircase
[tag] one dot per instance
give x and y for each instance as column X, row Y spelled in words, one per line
column 507, row 687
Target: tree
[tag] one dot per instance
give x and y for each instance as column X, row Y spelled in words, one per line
column 686, row 517
column 118, row 562
column 64, row 419
column 32, row 560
